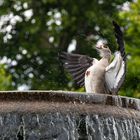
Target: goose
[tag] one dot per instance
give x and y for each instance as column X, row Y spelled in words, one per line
column 99, row 76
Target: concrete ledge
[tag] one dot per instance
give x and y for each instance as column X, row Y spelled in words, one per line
column 29, row 114
column 35, row 101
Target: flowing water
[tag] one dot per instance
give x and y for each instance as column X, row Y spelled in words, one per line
column 68, row 116
column 58, row 126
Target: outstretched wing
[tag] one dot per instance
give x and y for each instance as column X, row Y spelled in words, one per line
column 77, row 65
column 119, row 39
column 115, row 72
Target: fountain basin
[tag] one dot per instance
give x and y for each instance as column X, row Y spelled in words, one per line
column 48, row 115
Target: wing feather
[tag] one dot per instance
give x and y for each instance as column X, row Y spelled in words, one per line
column 115, row 72
column 77, row 65
column 119, row 39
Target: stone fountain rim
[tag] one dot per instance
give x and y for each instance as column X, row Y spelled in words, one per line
column 69, row 96
column 24, row 102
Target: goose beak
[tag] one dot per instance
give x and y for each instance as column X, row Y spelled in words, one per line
column 98, row 47
column 100, row 44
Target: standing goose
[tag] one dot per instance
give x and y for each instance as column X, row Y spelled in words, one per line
column 99, row 76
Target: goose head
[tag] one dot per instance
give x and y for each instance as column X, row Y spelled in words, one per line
column 103, row 49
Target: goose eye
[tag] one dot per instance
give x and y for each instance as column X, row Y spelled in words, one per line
column 105, row 46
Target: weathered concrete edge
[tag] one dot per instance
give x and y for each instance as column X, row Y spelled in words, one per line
column 68, row 96
column 68, row 102
column 35, row 107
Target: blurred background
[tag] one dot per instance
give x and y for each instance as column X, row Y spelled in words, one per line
column 33, row 32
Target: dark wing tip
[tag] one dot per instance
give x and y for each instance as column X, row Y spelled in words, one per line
column 62, row 56
column 118, row 31
column 119, row 37
column 114, row 23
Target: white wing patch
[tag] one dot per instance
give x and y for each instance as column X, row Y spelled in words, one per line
column 115, row 73
column 120, row 74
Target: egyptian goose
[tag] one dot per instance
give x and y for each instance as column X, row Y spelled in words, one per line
column 99, row 76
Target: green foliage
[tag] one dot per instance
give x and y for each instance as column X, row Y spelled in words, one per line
column 35, row 41
column 5, row 79
column 131, row 23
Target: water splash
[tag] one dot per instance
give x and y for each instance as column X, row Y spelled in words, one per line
column 61, row 126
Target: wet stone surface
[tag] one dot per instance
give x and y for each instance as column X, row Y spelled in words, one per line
column 61, row 115
column 58, row 126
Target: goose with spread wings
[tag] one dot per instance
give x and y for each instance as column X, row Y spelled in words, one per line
column 99, row 76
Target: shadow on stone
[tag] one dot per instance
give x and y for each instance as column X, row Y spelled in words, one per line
column 21, row 133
